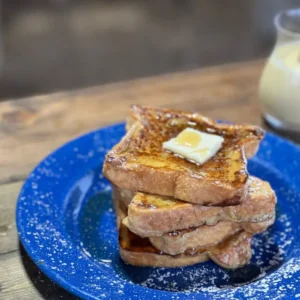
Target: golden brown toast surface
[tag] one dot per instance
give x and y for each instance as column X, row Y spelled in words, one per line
column 152, row 215
column 140, row 163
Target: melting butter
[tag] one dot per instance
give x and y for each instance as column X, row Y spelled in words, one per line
column 195, row 145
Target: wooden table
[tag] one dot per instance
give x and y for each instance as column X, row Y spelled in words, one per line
column 31, row 128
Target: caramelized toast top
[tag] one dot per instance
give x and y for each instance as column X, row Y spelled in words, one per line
column 140, row 163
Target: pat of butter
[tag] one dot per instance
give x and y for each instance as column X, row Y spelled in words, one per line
column 195, row 145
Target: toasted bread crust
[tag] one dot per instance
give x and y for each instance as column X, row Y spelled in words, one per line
column 140, row 163
column 145, row 210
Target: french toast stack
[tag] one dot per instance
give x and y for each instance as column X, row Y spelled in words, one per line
column 172, row 211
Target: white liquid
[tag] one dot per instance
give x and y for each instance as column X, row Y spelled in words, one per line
column 279, row 89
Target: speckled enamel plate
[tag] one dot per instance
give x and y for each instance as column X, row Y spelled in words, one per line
column 66, row 224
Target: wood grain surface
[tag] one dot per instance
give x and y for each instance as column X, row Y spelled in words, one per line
column 33, row 127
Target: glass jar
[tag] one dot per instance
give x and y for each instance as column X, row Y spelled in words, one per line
column 279, row 90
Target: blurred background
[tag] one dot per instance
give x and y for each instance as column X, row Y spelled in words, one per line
column 51, row 45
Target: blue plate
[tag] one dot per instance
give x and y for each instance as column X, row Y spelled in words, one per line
column 67, row 226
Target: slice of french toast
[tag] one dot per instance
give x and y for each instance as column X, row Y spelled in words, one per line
column 206, row 236
column 152, row 215
column 139, row 162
